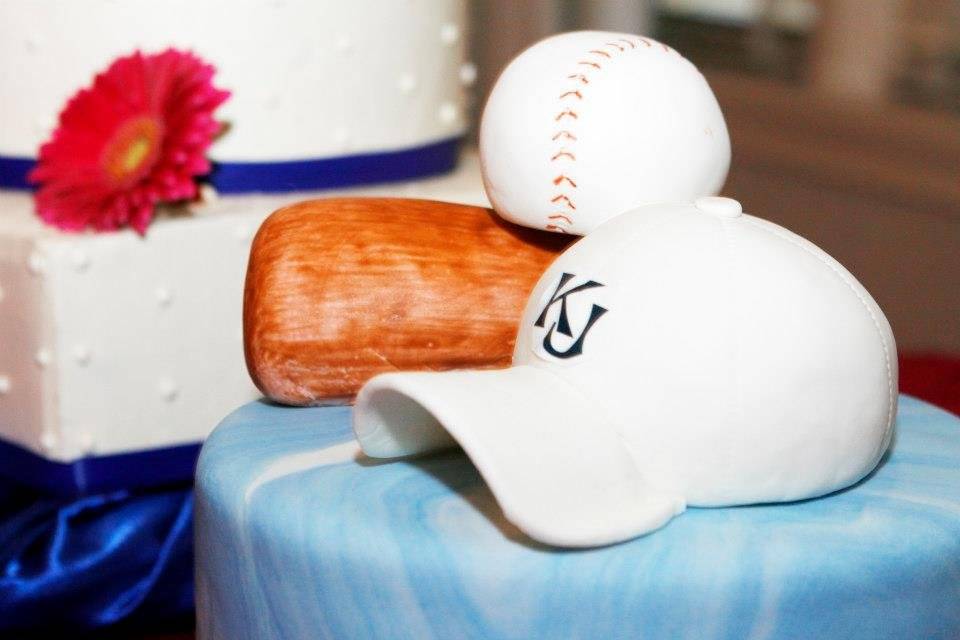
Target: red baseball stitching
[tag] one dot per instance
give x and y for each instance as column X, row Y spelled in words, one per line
column 564, row 153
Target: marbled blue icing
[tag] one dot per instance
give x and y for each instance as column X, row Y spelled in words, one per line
column 299, row 537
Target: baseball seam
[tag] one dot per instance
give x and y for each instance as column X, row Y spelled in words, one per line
column 564, row 135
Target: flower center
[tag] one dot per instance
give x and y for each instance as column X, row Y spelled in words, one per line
column 133, row 149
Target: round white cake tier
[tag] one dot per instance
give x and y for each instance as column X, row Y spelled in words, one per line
column 310, row 79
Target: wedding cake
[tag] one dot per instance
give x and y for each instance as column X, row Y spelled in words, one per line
column 120, row 325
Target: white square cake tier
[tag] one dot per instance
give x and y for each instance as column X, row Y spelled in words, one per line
column 113, row 343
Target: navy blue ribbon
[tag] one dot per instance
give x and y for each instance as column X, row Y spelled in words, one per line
column 99, row 474
column 299, row 175
column 13, row 172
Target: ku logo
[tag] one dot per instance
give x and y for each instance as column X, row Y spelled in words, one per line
column 562, row 323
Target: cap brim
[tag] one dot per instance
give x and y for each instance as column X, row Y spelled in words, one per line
column 558, row 469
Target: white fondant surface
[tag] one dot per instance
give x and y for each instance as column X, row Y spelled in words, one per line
column 310, row 78
column 113, row 343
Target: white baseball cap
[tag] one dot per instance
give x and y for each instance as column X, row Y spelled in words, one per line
column 680, row 354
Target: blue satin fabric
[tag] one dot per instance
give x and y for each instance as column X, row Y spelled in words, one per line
column 87, row 563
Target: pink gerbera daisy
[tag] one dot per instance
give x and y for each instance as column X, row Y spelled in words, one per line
column 135, row 138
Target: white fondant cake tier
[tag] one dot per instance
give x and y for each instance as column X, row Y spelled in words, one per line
column 301, row 536
column 114, row 343
column 309, row 78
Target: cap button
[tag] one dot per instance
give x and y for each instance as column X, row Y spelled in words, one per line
column 720, row 207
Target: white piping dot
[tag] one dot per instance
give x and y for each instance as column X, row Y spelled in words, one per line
column 4, row 385
column 208, row 193
column 82, row 355
column 42, row 357
column 344, row 44
column 45, row 125
column 49, row 440
column 80, row 260
column 272, row 103
column 168, row 389
column 407, row 83
column 36, row 263
column 85, row 441
column 164, row 297
column 342, row 137
column 448, row 113
column 468, row 74
column 449, row 34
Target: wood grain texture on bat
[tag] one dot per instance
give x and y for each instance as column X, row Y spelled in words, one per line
column 339, row 290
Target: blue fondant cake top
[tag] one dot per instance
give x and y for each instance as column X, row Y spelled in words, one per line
column 300, row 535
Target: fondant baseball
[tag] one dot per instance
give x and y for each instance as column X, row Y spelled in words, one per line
column 584, row 126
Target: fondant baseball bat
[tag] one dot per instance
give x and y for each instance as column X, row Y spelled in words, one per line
column 339, row 290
